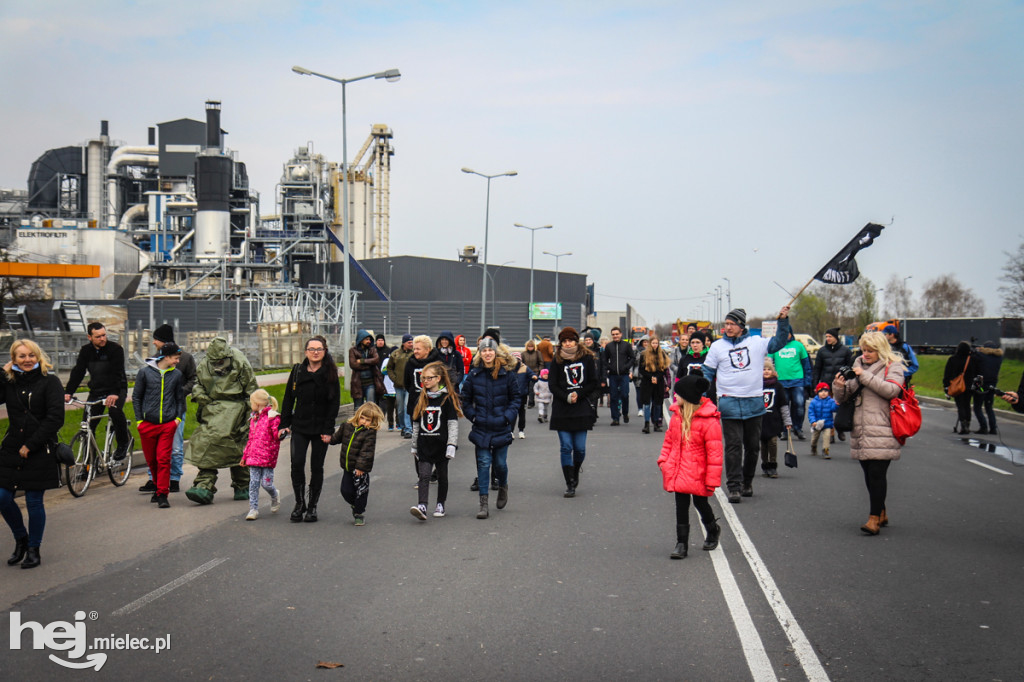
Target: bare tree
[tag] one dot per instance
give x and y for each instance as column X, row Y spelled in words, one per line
column 945, row 296
column 1013, row 287
column 899, row 299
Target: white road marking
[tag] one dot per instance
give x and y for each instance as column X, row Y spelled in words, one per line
column 991, row 468
column 161, row 591
column 753, row 648
column 805, row 654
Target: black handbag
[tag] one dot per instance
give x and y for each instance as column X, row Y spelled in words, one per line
column 789, row 459
column 61, row 452
column 844, row 414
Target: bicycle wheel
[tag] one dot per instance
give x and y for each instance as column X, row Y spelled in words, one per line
column 79, row 475
column 119, row 471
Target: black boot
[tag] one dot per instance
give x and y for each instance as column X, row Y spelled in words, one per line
column 576, row 474
column 714, row 530
column 31, row 558
column 314, row 497
column 20, row 547
column 647, row 427
column 476, row 484
column 502, row 497
column 570, row 484
column 965, row 428
column 682, row 541
column 300, row 503
column 657, row 426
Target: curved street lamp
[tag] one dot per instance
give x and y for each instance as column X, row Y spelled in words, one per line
column 533, row 233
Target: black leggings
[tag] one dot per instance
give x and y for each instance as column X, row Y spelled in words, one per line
column 317, row 454
column 425, row 470
column 874, row 477
column 707, row 516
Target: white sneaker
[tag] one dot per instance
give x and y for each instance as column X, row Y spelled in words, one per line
column 522, row 434
column 275, row 504
column 419, row 511
column 639, row 413
column 439, row 511
column 252, row 515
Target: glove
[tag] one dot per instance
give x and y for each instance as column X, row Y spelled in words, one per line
column 449, row 452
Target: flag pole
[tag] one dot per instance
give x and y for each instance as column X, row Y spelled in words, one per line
column 797, row 294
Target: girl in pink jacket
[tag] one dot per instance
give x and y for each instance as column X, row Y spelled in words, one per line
column 691, row 459
column 261, row 451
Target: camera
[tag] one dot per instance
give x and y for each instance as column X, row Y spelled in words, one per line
column 847, row 372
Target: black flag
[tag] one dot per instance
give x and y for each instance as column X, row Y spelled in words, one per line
column 842, row 269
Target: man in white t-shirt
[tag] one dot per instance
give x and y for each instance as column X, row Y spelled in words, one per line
column 735, row 362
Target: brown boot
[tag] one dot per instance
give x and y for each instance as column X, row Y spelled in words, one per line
column 883, row 519
column 871, row 527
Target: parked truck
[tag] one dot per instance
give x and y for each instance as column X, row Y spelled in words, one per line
column 941, row 334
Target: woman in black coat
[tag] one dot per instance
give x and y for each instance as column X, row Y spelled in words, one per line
column 35, row 409
column 312, row 398
column 575, row 389
column 963, row 361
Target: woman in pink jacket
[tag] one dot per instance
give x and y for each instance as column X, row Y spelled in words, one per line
column 691, row 459
column 261, row 451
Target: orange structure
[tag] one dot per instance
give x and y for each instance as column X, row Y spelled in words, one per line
column 49, row 270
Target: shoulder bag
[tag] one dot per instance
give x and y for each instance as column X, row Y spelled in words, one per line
column 904, row 414
column 843, row 421
column 61, row 452
column 958, row 386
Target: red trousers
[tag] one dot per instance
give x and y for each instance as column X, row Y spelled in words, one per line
column 157, row 442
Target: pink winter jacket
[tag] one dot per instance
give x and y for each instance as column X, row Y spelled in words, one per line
column 696, row 466
column 263, row 446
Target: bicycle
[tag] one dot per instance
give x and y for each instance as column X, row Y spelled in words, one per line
column 89, row 459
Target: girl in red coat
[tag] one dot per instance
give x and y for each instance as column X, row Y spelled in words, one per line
column 691, row 459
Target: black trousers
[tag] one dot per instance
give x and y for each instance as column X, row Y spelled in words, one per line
column 355, row 490
column 963, row 408
column 874, row 477
column 742, row 446
column 301, row 442
column 983, row 406
column 700, row 503
column 425, row 470
column 117, row 419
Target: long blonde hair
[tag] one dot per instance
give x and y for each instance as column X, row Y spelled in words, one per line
column 44, row 360
column 686, row 412
column 877, row 342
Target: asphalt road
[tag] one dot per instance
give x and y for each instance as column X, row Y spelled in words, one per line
column 549, row 588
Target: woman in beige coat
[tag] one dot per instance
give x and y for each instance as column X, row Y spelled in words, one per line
column 880, row 376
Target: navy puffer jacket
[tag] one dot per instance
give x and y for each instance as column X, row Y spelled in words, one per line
column 492, row 405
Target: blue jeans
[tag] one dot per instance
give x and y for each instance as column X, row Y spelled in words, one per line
column 369, row 396
column 36, row 515
column 573, row 447
column 401, row 401
column 654, row 410
column 485, row 458
column 796, row 406
column 618, row 389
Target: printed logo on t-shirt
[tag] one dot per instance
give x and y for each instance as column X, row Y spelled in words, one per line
column 430, row 421
column 694, row 368
column 574, row 375
column 416, row 378
column 789, row 352
column 739, row 357
column 769, row 398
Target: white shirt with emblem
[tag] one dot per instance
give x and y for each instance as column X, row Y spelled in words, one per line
column 738, row 367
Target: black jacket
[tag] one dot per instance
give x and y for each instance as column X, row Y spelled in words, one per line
column 35, row 410
column 106, row 370
column 565, row 377
column 963, row 360
column 358, row 445
column 452, row 359
column 775, row 401
column 413, row 367
column 491, row 405
column 311, row 401
column 990, row 360
column 618, row 358
column 828, row 362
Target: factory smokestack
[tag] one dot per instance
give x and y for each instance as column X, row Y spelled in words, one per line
column 212, row 124
column 152, row 136
column 104, row 128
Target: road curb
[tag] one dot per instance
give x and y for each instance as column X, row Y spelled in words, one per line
column 1008, row 415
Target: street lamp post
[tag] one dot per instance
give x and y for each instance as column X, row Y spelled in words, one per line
column 728, row 292
column 487, row 220
column 391, row 295
column 491, row 275
column 906, row 299
column 391, row 75
column 558, row 310
column 533, row 233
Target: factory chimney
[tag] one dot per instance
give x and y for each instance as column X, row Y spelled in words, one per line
column 152, row 136
column 212, row 125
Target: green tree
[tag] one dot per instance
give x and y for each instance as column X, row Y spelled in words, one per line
column 810, row 315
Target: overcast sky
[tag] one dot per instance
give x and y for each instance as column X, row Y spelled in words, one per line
column 671, row 144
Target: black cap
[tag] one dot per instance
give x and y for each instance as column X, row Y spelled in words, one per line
column 168, row 349
column 737, row 315
column 165, row 333
column 691, row 387
column 493, row 333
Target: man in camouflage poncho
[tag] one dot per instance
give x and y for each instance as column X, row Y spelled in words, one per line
column 224, row 382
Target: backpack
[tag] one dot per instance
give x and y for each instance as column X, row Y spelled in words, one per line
column 904, row 414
